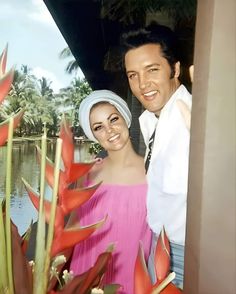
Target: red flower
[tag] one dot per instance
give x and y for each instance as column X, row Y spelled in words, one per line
column 5, row 84
column 68, row 198
column 142, row 281
column 162, row 257
column 162, row 267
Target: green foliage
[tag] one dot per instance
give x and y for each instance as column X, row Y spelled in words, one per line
column 72, row 65
column 95, row 148
column 42, row 106
column 134, row 11
column 71, row 98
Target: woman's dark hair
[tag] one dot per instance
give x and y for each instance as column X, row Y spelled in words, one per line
column 153, row 34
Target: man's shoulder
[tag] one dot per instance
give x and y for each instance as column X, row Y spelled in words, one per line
column 184, row 105
column 183, row 93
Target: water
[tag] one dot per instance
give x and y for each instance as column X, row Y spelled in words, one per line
column 24, row 164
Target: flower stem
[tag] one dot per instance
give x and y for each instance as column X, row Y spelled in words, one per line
column 3, row 267
column 8, row 198
column 40, row 237
column 53, row 210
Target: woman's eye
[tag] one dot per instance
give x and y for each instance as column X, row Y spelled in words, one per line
column 114, row 119
column 97, row 128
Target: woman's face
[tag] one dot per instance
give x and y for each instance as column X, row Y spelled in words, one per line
column 109, row 127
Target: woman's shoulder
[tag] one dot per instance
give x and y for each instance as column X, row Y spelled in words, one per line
column 132, row 174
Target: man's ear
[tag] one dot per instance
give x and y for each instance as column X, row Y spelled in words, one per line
column 177, row 69
column 191, row 72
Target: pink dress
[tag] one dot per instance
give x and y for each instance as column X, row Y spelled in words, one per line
column 125, row 207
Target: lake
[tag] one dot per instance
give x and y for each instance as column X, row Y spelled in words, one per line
column 24, row 164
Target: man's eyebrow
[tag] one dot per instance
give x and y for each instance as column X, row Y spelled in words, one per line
column 151, row 65
column 146, row 67
column 129, row 71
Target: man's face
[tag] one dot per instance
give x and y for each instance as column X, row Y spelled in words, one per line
column 149, row 76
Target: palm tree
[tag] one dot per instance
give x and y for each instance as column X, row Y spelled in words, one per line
column 72, row 65
column 21, row 94
column 45, row 89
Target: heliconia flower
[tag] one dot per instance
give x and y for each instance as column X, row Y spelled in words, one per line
column 25, row 238
column 49, row 173
column 85, row 282
column 69, row 237
column 64, row 238
column 34, row 197
column 73, row 170
column 68, row 144
column 77, row 170
column 142, row 281
column 5, row 125
column 22, row 273
column 162, row 256
column 5, row 78
column 169, row 289
column 3, row 61
column 5, row 83
column 73, row 198
column 97, row 270
column 69, row 198
column 90, row 279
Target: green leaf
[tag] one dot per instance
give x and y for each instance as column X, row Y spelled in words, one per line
column 111, row 289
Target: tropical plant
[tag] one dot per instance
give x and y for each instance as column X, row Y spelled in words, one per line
column 164, row 278
column 71, row 98
column 17, row 275
column 6, row 228
column 34, row 96
column 73, row 65
column 6, row 79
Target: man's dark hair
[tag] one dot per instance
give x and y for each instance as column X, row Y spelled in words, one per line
column 153, row 34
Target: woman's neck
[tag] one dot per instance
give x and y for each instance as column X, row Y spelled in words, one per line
column 123, row 156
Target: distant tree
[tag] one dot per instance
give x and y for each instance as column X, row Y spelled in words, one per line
column 35, row 96
column 45, row 88
column 21, row 94
column 41, row 104
column 73, row 65
column 71, row 98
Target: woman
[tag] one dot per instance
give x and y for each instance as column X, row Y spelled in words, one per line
column 105, row 118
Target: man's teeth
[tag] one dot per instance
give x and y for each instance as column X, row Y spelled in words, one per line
column 150, row 93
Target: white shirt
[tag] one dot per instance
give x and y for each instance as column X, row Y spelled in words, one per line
column 168, row 170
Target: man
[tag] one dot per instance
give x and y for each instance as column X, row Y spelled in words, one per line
column 153, row 68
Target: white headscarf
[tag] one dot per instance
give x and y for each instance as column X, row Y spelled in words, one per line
column 101, row 96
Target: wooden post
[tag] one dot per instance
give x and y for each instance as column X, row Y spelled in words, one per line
column 210, row 263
